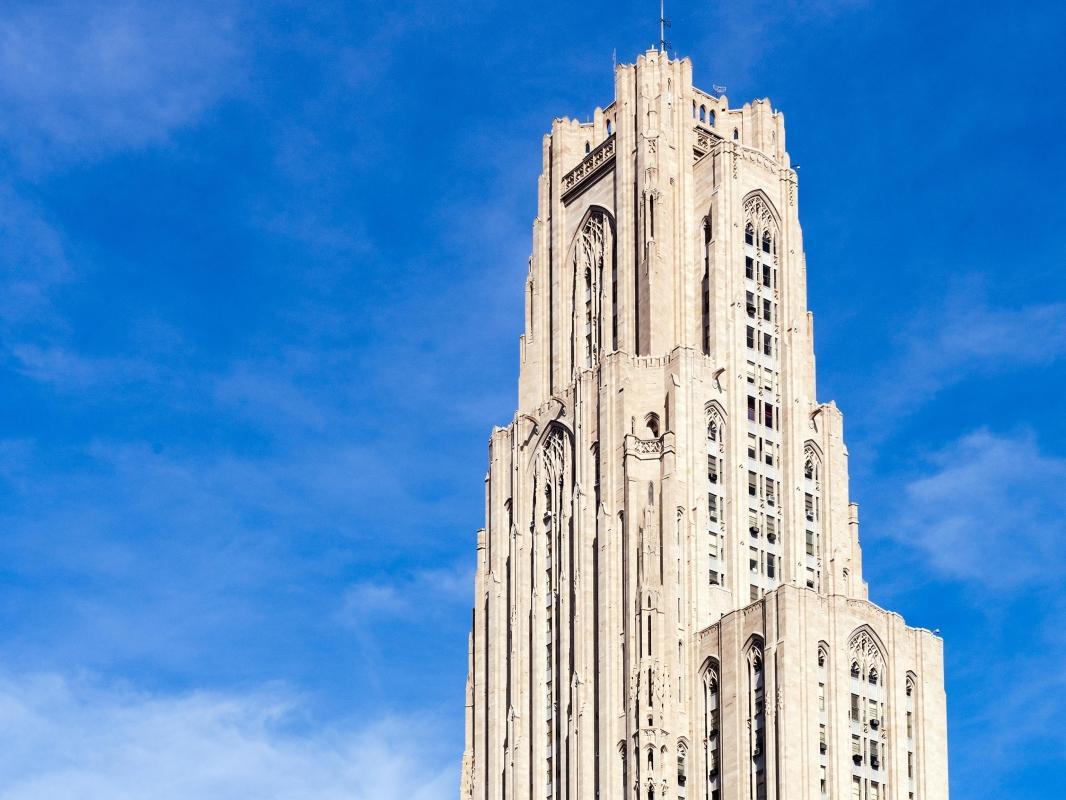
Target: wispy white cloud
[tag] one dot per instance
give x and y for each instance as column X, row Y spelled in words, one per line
column 990, row 510
column 73, row 739
column 86, row 79
column 413, row 595
column 963, row 338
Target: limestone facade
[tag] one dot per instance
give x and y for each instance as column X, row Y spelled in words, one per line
column 669, row 600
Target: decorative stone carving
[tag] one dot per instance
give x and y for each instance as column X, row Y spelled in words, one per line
column 590, row 165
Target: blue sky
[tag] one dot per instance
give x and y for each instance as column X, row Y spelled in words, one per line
column 260, row 285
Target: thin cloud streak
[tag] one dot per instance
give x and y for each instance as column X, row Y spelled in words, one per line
column 76, row 739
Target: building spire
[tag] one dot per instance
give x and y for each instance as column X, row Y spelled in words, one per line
column 664, row 23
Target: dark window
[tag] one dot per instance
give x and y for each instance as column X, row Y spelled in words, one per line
column 768, row 415
column 749, row 234
column 766, row 310
column 767, row 344
column 766, row 242
column 750, row 304
column 766, row 275
column 751, row 337
column 749, row 268
column 751, row 408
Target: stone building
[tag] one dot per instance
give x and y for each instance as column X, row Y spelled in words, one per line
column 669, row 598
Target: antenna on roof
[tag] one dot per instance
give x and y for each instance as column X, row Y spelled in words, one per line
column 664, row 23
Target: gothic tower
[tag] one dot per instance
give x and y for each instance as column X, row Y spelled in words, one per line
column 669, row 600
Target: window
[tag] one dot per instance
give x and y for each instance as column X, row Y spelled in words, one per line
column 768, row 415
column 750, row 298
column 767, row 344
column 736, row 134
column 749, row 234
column 749, row 268
column 710, row 118
column 821, row 703
column 712, row 469
column 771, row 567
column 766, row 310
column 750, row 337
column 751, row 408
column 766, row 241
column 751, row 444
column 766, row 275
column 712, row 506
column 753, row 485
column 710, row 729
column 770, row 496
column 703, row 113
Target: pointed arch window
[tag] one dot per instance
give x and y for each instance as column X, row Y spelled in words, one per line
column 711, row 730
column 867, row 711
column 757, row 721
column 592, row 250
column 715, row 494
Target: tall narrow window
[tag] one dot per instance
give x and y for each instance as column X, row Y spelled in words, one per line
column 711, row 735
column 756, row 723
column 867, row 712
column 706, row 287
column 715, row 491
column 590, row 256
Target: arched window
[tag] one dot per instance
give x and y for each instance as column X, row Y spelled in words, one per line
column 749, row 234
column 694, row 109
column 551, row 499
column 867, row 710
column 682, row 754
column 766, row 241
column 588, row 147
column 710, row 118
column 736, row 134
column 711, row 734
column 812, row 501
column 592, row 248
column 757, row 721
column 715, row 496
column 610, row 127
column 910, row 732
column 703, row 113
column 651, row 422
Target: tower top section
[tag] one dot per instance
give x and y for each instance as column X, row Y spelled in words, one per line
column 659, row 166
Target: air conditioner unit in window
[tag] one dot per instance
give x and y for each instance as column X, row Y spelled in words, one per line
column 822, row 747
column 875, row 762
column 771, row 537
column 875, row 724
column 857, row 758
column 754, row 530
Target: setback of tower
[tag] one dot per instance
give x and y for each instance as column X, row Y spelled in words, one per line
column 669, row 598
